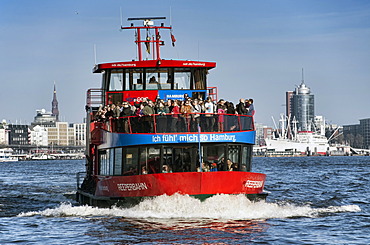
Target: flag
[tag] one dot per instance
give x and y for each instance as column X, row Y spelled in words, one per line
column 173, row 39
column 147, row 44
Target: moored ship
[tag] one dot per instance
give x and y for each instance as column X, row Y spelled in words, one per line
column 134, row 152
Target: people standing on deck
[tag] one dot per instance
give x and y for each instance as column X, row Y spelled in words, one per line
column 195, row 109
column 242, row 110
column 148, row 111
column 185, row 111
column 162, row 111
column 175, row 116
column 251, row 110
column 231, row 121
column 179, row 116
column 124, row 116
column 209, row 116
column 221, row 109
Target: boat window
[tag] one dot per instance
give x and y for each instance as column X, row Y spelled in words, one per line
column 182, row 79
column 128, row 80
column 150, row 160
column 167, row 160
column 200, row 78
column 137, row 80
column 111, row 162
column 183, row 159
column 213, row 157
column 246, row 158
column 157, row 79
column 130, row 161
column 104, row 158
column 116, row 80
column 232, row 162
column 118, row 161
column 114, row 98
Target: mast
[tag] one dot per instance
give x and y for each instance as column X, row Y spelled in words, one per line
column 148, row 24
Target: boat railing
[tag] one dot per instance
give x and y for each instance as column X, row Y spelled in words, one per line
column 180, row 123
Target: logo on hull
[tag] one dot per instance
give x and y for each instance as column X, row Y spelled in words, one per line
column 254, row 183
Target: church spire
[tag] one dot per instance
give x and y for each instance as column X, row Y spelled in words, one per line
column 54, row 105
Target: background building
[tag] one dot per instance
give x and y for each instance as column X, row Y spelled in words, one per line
column 303, row 107
column 358, row 135
column 44, row 118
column 18, row 134
column 39, row 136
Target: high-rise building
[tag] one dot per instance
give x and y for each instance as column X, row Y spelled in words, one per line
column 300, row 106
column 54, row 105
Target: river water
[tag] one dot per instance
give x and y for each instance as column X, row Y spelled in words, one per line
column 312, row 200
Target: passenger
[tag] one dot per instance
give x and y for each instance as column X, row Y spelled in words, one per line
column 231, row 121
column 195, row 109
column 144, row 170
column 213, row 167
column 251, row 110
column 240, row 108
column 186, row 116
column 152, row 80
column 147, row 111
column 209, row 116
column 125, row 114
column 242, row 111
column 205, row 167
column 250, row 113
column 221, row 110
column 229, row 165
column 162, row 111
column 175, row 116
column 166, row 169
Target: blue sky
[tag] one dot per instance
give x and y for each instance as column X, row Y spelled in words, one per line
column 260, row 48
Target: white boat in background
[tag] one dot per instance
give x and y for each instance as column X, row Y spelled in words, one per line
column 302, row 143
column 6, row 155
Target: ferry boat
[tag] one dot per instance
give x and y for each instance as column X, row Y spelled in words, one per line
column 131, row 157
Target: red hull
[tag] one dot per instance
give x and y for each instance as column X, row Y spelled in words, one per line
column 191, row 183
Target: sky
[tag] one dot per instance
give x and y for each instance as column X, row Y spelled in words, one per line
column 260, row 48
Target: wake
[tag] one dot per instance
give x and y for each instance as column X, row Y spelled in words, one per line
column 221, row 207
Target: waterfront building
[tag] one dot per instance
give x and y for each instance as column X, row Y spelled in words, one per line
column 79, row 130
column 358, row 133
column 18, row 134
column 262, row 132
column 4, row 138
column 39, row 136
column 62, row 134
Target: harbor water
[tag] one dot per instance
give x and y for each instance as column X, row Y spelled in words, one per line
column 312, row 200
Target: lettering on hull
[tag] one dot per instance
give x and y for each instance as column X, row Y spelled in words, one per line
column 132, row 187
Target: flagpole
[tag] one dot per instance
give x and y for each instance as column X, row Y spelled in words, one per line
column 199, row 150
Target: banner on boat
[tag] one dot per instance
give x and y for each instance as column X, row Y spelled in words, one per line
column 116, row 140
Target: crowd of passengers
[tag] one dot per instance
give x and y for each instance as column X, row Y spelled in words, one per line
column 176, row 115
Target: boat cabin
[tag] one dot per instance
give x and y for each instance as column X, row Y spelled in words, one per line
column 165, row 79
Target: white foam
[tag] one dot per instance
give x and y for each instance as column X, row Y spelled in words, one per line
column 229, row 207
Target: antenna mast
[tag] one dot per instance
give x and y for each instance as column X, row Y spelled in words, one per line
column 148, row 24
